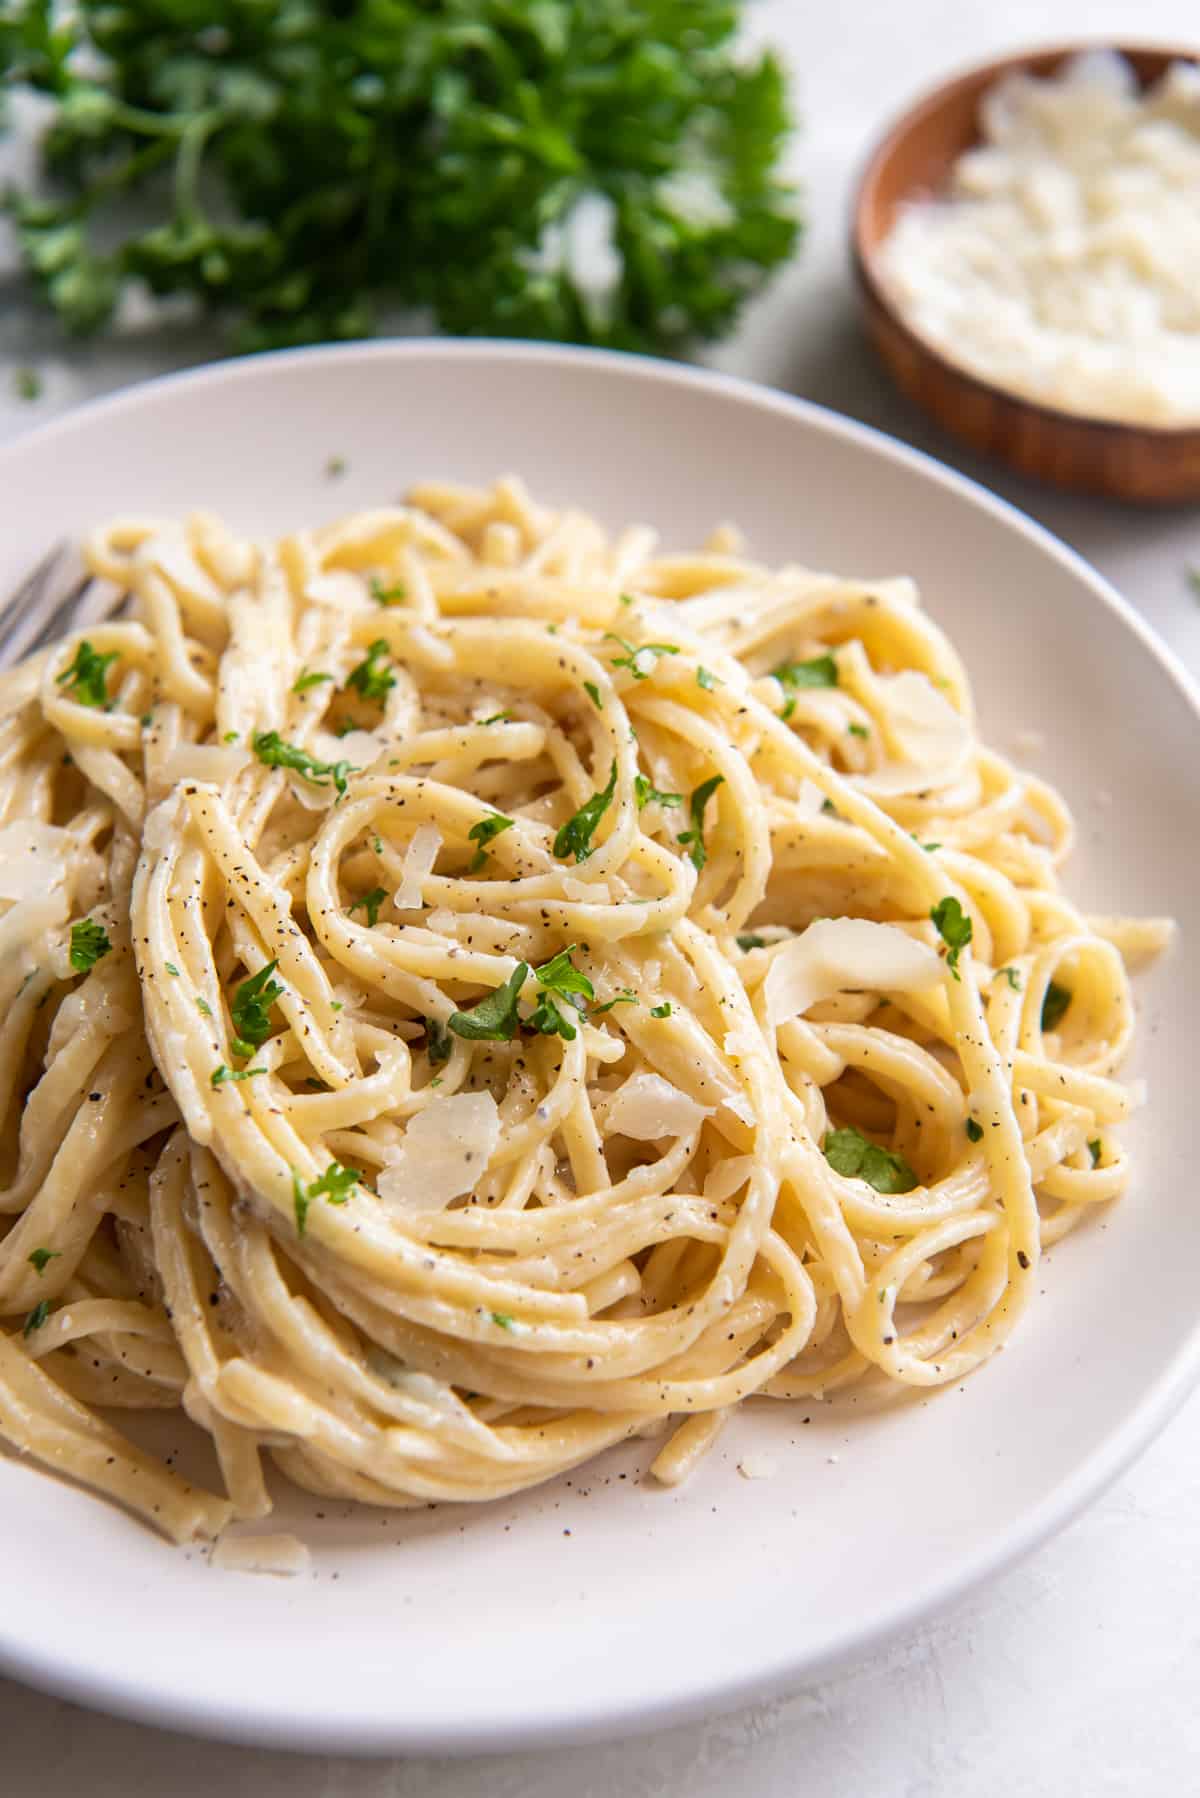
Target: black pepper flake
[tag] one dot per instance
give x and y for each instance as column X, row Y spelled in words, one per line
column 1022, row 1258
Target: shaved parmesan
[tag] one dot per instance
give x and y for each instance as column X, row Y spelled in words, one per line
column 33, row 858
column 933, row 738
column 283, row 1555
column 419, row 857
column 446, row 1149
column 361, row 748
column 647, row 1107
column 215, row 762
column 839, row 953
column 809, row 799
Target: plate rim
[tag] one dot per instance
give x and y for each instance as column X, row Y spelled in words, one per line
column 124, row 1695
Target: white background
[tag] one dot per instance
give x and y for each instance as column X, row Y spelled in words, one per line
column 1078, row 1672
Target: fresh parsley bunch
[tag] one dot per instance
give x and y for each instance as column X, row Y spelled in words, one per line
column 296, row 164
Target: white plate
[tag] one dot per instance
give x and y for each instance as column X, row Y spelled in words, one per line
column 600, row 1605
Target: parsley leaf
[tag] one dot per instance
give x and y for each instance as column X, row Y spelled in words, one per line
column 271, row 750
column 621, row 999
column 251, row 1008
column 496, row 718
column 851, row 1153
column 369, row 678
column 1011, row 975
column 974, row 1130
column 385, row 595
column 86, row 680
column 640, row 658
column 503, row 1320
column 306, row 680
column 89, row 941
column 821, row 671
column 485, row 832
column 748, row 942
column 954, row 928
column 661, row 1011
column 560, row 978
column 860, row 730
column 575, row 836
column 706, row 679
column 494, row 1019
column 560, row 975
column 593, row 693
column 438, row 1046
column 694, row 837
column 1054, row 1005
column 41, row 1258
column 646, row 795
column 336, row 1184
column 1093, row 1151
column 37, row 1317
column 171, row 968
column 370, row 903
column 221, row 1074
column 205, row 1010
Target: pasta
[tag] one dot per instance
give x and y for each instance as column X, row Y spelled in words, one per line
column 478, row 990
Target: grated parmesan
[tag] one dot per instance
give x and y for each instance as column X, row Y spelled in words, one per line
column 1063, row 262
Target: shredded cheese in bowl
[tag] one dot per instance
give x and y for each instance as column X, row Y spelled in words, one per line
column 1063, row 260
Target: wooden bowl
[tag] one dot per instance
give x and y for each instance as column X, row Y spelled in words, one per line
column 1146, row 463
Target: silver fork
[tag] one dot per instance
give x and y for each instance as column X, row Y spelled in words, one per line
column 50, row 600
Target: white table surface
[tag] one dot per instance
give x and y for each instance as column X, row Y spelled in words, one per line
column 1078, row 1672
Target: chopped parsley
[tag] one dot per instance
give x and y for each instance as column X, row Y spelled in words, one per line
column 593, row 693
column 821, row 671
column 640, row 659
column 89, row 941
column 1093, row 1151
column 497, row 718
column 559, row 979
column 271, row 750
column 503, row 1320
column 494, row 1019
column 384, row 595
column 171, row 969
column 86, row 680
column 706, row 679
column 251, row 1008
column 860, row 730
column 851, row 1153
column 646, row 794
column 1011, row 975
column 231, row 736
column 974, row 1130
column 205, row 1010
column 575, row 836
column 307, row 680
column 748, row 942
column 336, row 1184
column 954, row 928
column 27, row 383
column 370, row 903
column 625, row 998
column 41, row 1258
column 484, row 833
column 661, row 1011
column 829, row 808
column 1054, row 1005
column 369, row 678
column 335, row 467
column 37, row 1317
column 221, row 1074
column 438, row 1046
column 694, row 838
